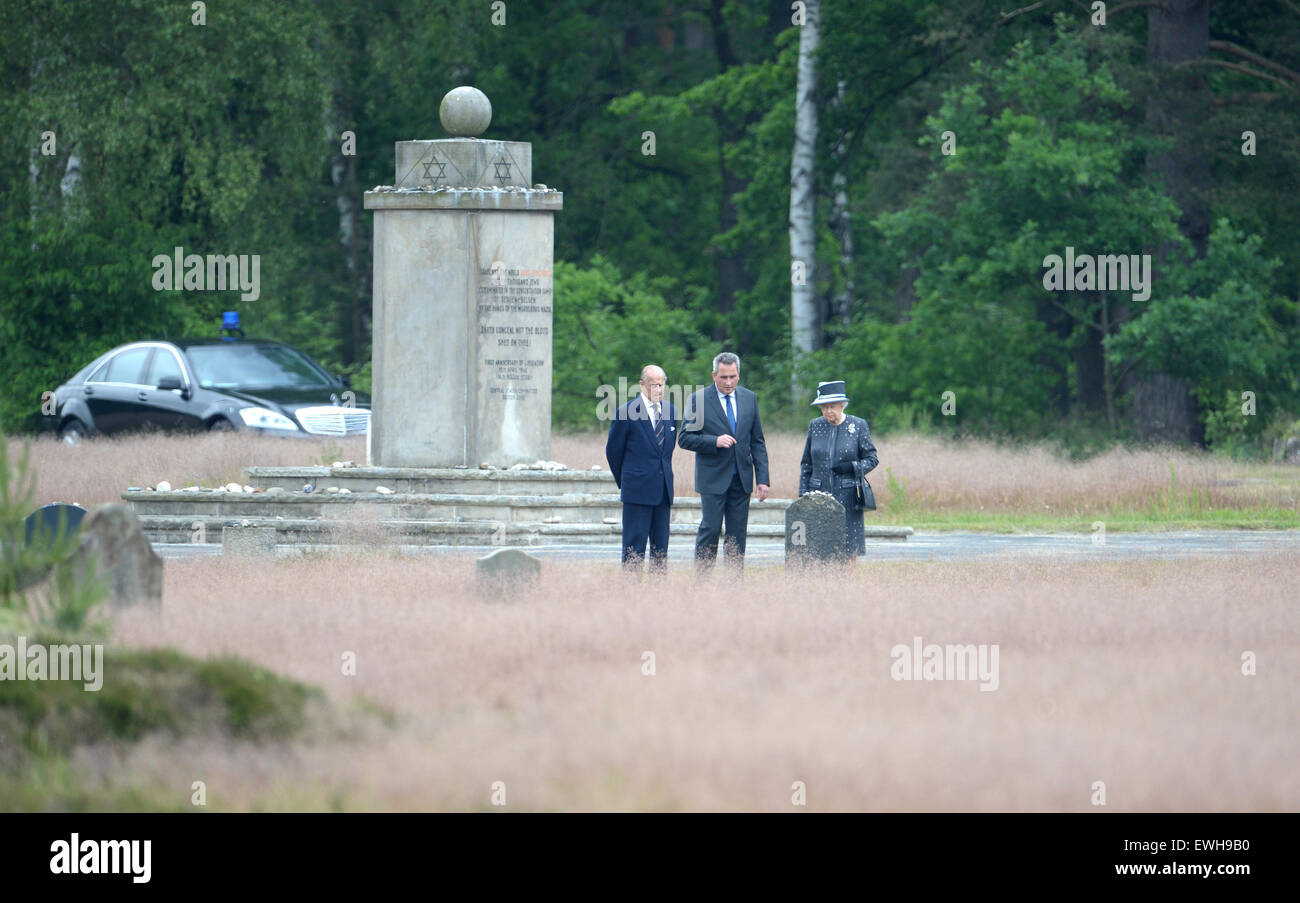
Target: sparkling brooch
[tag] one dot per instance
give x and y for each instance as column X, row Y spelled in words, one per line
column 853, row 428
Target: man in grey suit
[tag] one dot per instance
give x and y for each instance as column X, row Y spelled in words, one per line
column 721, row 425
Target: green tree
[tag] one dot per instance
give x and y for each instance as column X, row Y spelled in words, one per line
column 1221, row 329
column 608, row 327
column 1045, row 159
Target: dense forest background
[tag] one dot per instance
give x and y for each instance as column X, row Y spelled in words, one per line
column 956, row 144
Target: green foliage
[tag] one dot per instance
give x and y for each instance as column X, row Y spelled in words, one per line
column 70, row 597
column 68, row 292
column 225, row 138
column 140, row 692
column 204, row 137
column 738, row 121
column 609, row 326
column 1048, row 157
column 1227, row 429
column 897, row 486
column 256, row 703
column 72, row 606
column 1044, row 158
column 1221, row 328
column 153, row 691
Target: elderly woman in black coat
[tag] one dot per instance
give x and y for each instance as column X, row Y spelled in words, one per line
column 837, row 455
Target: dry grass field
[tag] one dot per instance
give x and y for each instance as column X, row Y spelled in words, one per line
column 1126, row 673
column 939, row 477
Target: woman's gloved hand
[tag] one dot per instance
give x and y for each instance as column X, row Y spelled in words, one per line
column 844, row 467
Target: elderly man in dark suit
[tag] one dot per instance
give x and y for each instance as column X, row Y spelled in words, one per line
column 721, row 425
column 640, row 455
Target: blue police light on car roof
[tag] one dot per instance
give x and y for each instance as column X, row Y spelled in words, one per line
column 230, row 323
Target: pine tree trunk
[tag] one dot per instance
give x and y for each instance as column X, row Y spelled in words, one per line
column 1177, row 31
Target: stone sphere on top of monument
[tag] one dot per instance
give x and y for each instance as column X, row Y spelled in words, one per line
column 465, row 112
column 464, row 160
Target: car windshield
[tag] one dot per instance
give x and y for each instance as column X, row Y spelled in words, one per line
column 239, row 365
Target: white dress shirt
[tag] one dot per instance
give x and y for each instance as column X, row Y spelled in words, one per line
column 650, row 409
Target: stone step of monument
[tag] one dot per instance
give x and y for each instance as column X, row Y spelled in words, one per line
column 174, row 528
column 321, row 502
column 459, row 481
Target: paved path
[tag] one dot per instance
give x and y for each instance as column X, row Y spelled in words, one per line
column 920, row 547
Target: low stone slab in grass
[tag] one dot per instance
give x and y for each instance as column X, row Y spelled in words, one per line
column 508, row 567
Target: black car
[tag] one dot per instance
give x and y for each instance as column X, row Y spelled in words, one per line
column 208, row 384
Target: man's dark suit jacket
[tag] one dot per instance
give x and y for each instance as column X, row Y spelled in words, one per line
column 642, row 471
column 704, row 421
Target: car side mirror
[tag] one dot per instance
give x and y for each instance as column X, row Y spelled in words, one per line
column 170, row 383
column 345, row 382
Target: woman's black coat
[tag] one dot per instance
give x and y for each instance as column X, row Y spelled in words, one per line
column 835, row 459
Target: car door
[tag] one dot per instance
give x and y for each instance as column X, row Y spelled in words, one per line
column 165, row 408
column 113, row 392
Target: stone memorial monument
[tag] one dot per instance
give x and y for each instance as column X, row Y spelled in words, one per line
column 460, row 388
column 463, row 266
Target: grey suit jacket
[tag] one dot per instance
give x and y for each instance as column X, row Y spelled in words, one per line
column 703, row 421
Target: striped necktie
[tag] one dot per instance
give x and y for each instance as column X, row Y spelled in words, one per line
column 659, row 425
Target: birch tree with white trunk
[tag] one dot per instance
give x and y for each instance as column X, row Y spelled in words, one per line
column 803, row 178
column 841, row 219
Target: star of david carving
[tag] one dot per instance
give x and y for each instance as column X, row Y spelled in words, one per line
column 429, row 164
column 502, row 176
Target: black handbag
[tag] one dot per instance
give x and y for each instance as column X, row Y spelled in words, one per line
column 866, row 499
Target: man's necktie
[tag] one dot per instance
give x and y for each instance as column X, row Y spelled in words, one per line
column 659, row 425
column 731, row 418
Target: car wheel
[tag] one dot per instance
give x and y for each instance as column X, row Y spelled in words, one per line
column 221, row 425
column 72, row 432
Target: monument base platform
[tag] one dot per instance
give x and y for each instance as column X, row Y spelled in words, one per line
column 362, row 506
